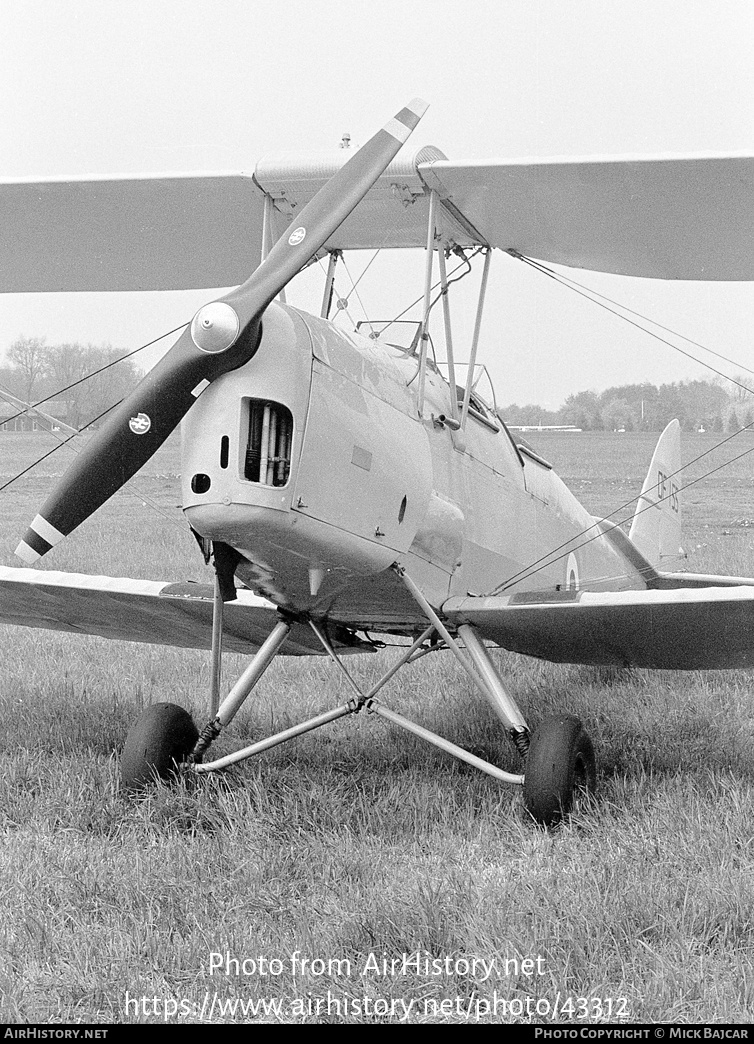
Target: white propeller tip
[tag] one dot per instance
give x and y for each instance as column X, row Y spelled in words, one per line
column 403, row 123
column 27, row 554
column 418, row 106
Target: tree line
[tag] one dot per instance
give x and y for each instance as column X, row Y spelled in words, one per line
column 648, row 407
column 35, row 370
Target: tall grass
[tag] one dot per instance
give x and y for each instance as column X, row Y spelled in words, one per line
column 358, row 843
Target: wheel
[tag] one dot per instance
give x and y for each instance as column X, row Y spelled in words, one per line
column 560, row 762
column 161, row 739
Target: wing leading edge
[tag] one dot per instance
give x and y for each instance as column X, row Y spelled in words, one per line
column 700, row 628
column 148, row 611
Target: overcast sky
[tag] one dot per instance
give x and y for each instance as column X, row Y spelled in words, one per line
column 125, row 86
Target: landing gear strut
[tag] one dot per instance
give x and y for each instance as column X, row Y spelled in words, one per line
column 560, row 760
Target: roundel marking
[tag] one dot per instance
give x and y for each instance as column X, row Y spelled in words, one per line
column 572, row 573
column 140, row 424
column 298, row 235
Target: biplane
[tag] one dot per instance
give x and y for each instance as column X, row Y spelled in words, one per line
column 344, row 483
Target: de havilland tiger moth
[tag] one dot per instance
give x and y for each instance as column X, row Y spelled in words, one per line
column 348, row 486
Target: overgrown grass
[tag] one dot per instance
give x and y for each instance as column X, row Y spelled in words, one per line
column 358, row 843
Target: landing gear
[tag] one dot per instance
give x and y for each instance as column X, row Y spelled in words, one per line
column 161, row 739
column 559, row 757
column 560, row 764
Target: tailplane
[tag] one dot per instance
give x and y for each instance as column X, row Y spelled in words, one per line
column 656, row 526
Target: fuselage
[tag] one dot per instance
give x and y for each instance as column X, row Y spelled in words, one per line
column 313, row 462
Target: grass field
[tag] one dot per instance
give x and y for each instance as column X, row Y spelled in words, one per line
column 360, row 875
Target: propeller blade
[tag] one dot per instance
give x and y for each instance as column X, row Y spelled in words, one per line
column 324, row 214
column 223, row 335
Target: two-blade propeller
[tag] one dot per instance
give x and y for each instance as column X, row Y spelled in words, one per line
column 223, row 335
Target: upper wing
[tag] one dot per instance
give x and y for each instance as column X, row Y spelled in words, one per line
column 680, row 629
column 129, row 233
column 666, row 218
column 168, row 232
column 147, row 611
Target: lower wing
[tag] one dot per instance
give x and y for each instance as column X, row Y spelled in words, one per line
column 688, row 628
column 148, row 611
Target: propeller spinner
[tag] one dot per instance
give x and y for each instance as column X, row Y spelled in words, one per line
column 223, row 335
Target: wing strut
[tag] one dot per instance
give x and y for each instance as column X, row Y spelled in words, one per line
column 455, row 423
column 424, row 339
column 475, row 339
column 334, row 257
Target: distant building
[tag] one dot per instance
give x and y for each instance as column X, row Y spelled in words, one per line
column 11, row 419
column 543, row 427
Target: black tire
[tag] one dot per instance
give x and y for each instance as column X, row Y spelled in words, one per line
column 161, row 739
column 560, row 763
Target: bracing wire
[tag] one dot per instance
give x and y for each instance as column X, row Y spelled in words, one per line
column 94, row 373
column 530, row 570
column 588, row 290
column 584, row 292
column 571, row 284
column 61, row 442
column 354, row 285
column 465, row 263
column 64, row 441
column 461, row 264
column 365, row 270
column 546, row 560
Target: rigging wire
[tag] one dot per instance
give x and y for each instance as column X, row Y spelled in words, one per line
column 584, row 543
column 583, row 291
column 343, row 307
column 539, row 267
column 628, row 503
column 446, row 289
column 364, row 272
column 466, row 261
column 595, row 293
column 94, row 373
column 63, row 441
column 353, row 289
column 641, row 512
column 547, row 560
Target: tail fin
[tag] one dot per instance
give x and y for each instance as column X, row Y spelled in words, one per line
column 656, row 526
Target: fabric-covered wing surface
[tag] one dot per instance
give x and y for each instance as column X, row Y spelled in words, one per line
column 144, row 611
column 668, row 218
column 683, row 629
column 664, row 217
column 193, row 231
column 120, row 233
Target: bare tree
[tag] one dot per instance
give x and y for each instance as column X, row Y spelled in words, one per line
column 29, row 357
column 96, row 383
